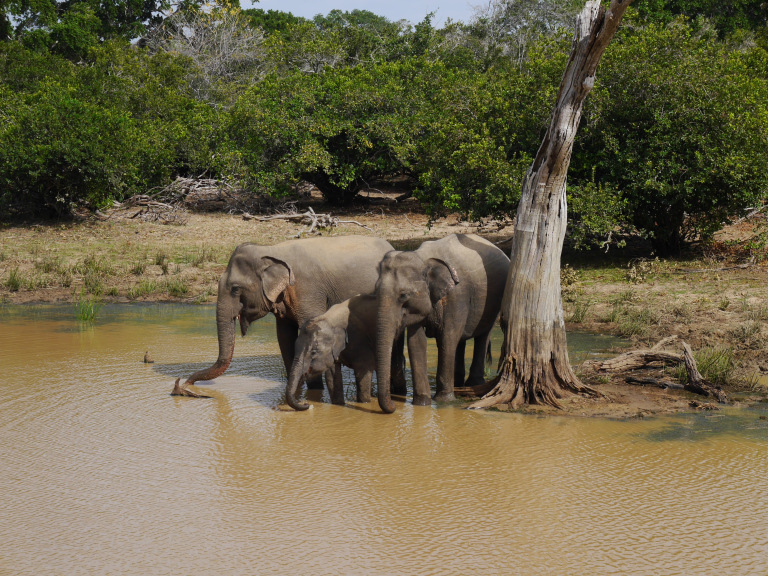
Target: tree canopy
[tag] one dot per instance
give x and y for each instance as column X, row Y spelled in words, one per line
column 671, row 144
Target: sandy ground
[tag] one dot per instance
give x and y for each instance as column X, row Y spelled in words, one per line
column 712, row 300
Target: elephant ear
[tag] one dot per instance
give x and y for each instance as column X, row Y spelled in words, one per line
column 441, row 278
column 339, row 342
column 276, row 278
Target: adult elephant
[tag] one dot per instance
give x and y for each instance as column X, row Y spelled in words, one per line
column 449, row 289
column 296, row 281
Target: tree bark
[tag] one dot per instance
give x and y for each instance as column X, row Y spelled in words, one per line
column 536, row 368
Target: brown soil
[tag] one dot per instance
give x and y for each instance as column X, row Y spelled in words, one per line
column 711, row 300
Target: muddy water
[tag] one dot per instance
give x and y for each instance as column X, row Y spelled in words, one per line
column 102, row 472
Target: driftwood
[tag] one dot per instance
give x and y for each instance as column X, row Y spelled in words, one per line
column 657, row 382
column 655, row 356
column 696, row 382
column 309, row 218
column 149, row 210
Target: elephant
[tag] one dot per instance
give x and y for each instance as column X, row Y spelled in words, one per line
column 449, row 289
column 294, row 280
column 344, row 334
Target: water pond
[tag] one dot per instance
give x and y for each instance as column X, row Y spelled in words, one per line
column 103, row 472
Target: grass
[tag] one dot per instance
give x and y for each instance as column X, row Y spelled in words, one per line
column 176, row 287
column 747, row 335
column 202, row 298
column 138, row 268
column 143, row 288
column 14, row 280
column 715, row 364
column 49, row 264
column 580, row 310
column 201, row 255
column 682, row 312
column 86, row 308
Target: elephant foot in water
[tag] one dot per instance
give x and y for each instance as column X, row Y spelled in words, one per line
column 179, row 390
column 421, row 400
column 444, row 397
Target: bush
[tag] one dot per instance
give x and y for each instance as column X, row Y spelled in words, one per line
column 679, row 124
column 57, row 151
column 338, row 129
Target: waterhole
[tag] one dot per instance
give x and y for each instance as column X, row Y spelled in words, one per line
column 103, row 472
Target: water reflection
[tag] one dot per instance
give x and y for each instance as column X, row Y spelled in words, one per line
column 102, row 472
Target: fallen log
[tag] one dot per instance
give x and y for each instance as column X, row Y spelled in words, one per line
column 696, row 382
column 638, row 359
column 657, row 382
column 634, row 360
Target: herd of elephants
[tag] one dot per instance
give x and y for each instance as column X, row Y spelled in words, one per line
column 354, row 300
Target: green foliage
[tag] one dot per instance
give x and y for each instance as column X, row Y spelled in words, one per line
column 481, row 131
column 679, row 124
column 595, row 212
column 87, row 135
column 57, row 151
column 271, row 21
column 337, row 129
column 86, row 308
column 727, row 16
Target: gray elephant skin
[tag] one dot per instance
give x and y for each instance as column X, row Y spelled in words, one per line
column 344, row 334
column 294, row 280
column 449, row 289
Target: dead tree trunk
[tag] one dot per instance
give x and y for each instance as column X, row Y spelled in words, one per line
column 536, row 368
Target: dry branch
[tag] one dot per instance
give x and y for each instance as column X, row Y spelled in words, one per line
column 696, row 382
column 309, row 218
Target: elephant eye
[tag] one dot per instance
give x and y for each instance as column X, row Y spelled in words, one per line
column 235, row 290
column 404, row 296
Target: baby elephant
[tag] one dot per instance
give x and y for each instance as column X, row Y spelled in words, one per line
column 344, row 334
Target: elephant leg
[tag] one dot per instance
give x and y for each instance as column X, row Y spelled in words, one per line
column 363, row 379
column 335, row 385
column 397, row 378
column 417, row 353
column 459, row 363
column 447, row 344
column 477, row 368
column 287, row 332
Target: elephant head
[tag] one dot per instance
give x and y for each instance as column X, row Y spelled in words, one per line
column 318, row 348
column 407, row 290
column 253, row 285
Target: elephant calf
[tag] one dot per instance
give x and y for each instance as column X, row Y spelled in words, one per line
column 345, row 334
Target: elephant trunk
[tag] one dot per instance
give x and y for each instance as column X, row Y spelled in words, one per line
column 386, row 332
column 294, row 379
column 225, row 325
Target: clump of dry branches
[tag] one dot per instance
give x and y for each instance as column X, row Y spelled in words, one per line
column 309, row 218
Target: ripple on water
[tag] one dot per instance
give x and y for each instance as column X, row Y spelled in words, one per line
column 104, row 472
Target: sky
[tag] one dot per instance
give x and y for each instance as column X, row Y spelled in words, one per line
column 394, row 10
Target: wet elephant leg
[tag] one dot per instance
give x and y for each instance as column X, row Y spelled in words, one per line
column 477, row 368
column 364, row 379
column 417, row 353
column 287, row 332
column 397, row 373
column 458, row 364
column 447, row 344
column 335, row 385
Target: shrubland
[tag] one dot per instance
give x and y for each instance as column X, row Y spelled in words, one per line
column 100, row 103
